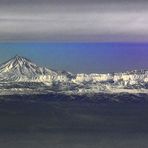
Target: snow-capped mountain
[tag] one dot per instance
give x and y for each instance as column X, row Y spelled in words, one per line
column 20, row 69
column 20, row 75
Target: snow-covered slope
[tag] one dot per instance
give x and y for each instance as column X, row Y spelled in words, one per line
column 20, row 70
column 130, row 81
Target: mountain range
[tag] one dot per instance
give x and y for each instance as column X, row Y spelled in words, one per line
column 20, row 76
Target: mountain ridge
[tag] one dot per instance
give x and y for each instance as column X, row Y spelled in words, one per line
column 21, row 70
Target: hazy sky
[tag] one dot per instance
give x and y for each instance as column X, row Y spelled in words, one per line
column 89, row 22
column 74, row 20
column 81, row 57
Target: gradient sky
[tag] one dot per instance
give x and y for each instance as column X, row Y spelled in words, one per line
column 81, row 57
column 76, row 35
column 74, row 20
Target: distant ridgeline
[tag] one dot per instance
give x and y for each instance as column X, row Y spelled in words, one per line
column 20, row 76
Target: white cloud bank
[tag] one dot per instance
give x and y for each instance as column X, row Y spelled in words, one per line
column 69, row 23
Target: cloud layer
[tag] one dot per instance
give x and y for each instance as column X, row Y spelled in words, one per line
column 73, row 21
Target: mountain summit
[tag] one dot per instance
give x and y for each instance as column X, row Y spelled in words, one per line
column 21, row 69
